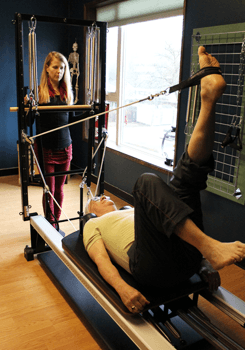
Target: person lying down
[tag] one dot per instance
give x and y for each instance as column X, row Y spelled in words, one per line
column 161, row 240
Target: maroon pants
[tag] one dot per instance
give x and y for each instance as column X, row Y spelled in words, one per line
column 56, row 161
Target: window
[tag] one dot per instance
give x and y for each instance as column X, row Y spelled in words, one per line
column 143, row 59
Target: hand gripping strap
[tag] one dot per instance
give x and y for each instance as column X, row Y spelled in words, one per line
column 195, row 78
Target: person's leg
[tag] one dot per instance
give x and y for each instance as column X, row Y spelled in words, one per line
column 63, row 161
column 50, row 181
column 200, row 148
column 158, row 257
column 59, row 187
column 212, row 86
column 190, row 175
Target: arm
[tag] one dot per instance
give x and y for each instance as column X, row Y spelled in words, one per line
column 129, row 296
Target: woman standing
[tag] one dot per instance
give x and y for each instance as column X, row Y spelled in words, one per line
column 55, row 89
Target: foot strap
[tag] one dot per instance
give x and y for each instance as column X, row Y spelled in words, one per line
column 195, row 78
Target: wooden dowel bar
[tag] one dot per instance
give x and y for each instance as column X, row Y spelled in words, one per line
column 50, row 108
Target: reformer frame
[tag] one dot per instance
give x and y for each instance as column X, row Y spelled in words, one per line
column 143, row 329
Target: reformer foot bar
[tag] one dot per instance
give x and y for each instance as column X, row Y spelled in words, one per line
column 148, row 329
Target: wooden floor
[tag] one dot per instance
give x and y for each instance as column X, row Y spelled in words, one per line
column 33, row 314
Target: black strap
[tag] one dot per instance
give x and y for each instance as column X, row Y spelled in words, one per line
column 195, row 78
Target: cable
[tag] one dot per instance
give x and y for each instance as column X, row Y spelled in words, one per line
column 150, row 98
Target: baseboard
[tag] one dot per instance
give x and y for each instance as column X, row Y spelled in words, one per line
column 110, row 188
column 9, row 171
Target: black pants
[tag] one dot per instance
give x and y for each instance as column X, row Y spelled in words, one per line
column 158, row 257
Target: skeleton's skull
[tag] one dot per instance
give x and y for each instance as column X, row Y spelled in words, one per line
column 75, row 46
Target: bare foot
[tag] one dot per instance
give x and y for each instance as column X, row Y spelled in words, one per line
column 219, row 254
column 213, row 85
column 224, row 254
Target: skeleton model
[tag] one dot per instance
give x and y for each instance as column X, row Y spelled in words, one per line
column 74, row 70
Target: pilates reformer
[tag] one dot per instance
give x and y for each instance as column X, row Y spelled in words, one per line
column 68, row 263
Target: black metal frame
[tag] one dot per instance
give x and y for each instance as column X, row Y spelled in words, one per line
column 37, row 244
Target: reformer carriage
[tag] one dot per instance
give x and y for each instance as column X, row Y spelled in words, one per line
column 67, row 261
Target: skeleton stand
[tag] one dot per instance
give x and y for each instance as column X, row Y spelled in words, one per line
column 74, row 60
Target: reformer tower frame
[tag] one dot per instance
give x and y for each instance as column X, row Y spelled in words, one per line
column 98, row 106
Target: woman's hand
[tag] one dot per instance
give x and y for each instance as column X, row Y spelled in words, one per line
column 26, row 99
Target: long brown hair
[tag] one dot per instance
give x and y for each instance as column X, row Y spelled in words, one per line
column 43, row 87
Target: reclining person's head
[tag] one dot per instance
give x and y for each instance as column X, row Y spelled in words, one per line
column 100, row 205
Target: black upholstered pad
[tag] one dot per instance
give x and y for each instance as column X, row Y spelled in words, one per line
column 73, row 246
